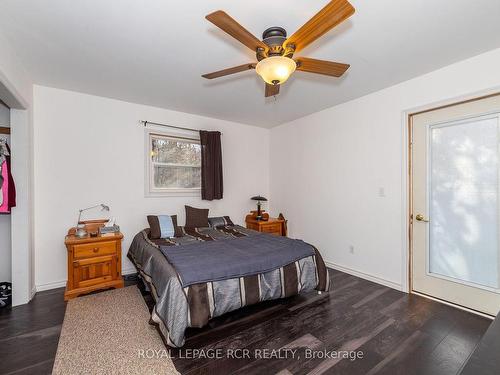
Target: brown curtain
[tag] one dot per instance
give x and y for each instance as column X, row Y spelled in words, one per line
column 211, row 165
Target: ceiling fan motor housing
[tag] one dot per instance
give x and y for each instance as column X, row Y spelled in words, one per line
column 274, row 37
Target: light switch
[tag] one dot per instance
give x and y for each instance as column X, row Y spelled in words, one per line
column 381, row 192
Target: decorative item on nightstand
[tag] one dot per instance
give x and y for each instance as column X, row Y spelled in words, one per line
column 109, row 228
column 94, row 261
column 259, row 199
column 285, row 224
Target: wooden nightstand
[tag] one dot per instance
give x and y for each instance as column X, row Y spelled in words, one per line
column 94, row 263
column 268, row 225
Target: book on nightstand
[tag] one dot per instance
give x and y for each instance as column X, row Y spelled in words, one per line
column 109, row 230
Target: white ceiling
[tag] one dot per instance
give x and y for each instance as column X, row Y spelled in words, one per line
column 153, row 52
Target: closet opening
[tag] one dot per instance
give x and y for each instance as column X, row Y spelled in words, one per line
column 5, row 205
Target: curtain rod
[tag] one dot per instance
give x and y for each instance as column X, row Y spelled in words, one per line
column 145, row 123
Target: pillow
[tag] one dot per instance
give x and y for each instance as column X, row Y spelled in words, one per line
column 220, row 221
column 196, row 217
column 163, row 226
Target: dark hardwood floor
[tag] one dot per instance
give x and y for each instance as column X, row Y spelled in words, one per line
column 395, row 332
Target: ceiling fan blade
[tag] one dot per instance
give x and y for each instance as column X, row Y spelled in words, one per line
column 272, row 90
column 335, row 12
column 225, row 22
column 228, row 71
column 328, row 68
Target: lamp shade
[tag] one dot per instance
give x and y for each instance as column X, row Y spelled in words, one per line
column 275, row 69
column 259, row 198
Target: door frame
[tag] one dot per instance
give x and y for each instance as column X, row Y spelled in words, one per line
column 21, row 216
column 407, row 183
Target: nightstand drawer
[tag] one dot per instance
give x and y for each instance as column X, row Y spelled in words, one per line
column 95, row 249
column 274, row 228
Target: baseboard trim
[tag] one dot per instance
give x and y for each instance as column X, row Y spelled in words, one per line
column 364, row 275
column 129, row 271
column 49, row 286
column 62, row 283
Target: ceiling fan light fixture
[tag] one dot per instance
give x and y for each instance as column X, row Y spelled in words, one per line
column 275, row 70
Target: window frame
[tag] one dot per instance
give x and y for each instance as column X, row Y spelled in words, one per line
column 149, row 189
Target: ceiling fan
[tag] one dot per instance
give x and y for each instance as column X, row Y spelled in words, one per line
column 275, row 52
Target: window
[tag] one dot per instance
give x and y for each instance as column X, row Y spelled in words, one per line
column 174, row 164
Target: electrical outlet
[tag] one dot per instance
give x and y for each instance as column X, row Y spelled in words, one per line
column 381, row 192
column 351, row 249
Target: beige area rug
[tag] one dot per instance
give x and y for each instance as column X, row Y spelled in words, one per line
column 109, row 333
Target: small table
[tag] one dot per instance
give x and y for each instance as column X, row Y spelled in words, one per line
column 266, row 225
column 94, row 263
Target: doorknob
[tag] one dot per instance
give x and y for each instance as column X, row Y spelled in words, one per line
column 421, row 217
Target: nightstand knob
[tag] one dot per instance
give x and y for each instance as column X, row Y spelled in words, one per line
column 95, row 249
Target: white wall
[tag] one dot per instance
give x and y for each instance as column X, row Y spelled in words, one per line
column 90, row 150
column 5, row 244
column 327, row 168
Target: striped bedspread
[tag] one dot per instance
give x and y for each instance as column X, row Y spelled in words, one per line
column 179, row 307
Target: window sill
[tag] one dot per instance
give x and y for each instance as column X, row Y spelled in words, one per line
column 173, row 193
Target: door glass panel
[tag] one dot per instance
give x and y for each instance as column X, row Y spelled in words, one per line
column 463, row 201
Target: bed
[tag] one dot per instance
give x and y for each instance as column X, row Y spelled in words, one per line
column 211, row 271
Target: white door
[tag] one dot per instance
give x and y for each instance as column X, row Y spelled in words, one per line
column 455, row 204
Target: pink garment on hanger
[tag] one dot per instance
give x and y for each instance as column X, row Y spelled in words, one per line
column 4, row 208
